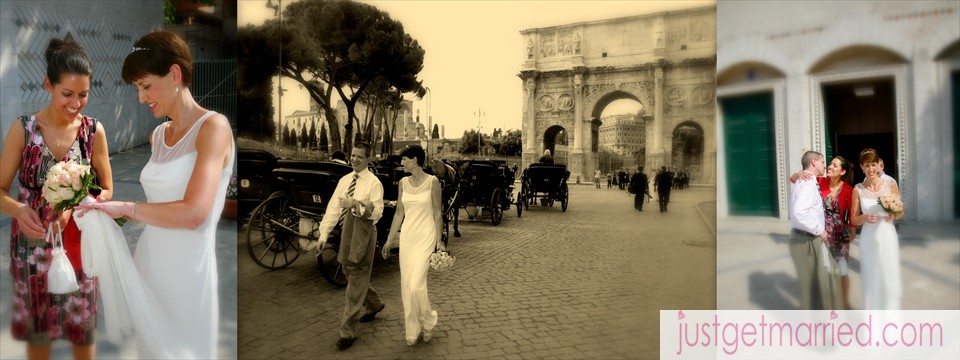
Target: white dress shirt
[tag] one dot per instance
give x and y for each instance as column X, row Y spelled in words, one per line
column 368, row 188
column 806, row 211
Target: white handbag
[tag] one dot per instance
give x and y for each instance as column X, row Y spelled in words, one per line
column 61, row 279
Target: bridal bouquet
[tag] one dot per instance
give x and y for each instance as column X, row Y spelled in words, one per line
column 67, row 183
column 441, row 260
column 891, row 204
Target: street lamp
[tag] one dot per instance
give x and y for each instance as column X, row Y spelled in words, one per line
column 479, row 113
column 429, row 121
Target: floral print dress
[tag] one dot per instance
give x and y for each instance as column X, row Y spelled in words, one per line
column 38, row 316
column 839, row 237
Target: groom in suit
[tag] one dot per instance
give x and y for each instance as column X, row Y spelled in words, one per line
column 817, row 271
column 358, row 206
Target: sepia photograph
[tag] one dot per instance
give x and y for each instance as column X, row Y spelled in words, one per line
column 472, row 179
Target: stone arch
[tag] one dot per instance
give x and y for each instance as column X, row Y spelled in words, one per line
column 865, row 30
column 750, row 49
column 748, row 71
column 688, row 143
column 604, row 99
column 856, row 57
column 943, row 39
column 555, row 138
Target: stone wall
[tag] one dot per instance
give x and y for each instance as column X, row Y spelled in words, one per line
column 107, row 30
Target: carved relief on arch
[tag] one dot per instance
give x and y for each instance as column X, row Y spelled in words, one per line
column 594, row 91
column 545, row 103
column 676, row 96
column 701, row 95
column 565, row 102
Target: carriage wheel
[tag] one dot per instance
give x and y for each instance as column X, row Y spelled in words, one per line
column 496, row 208
column 270, row 242
column 520, row 204
column 566, row 198
column 329, row 267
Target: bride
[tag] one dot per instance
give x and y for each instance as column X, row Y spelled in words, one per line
column 185, row 183
column 879, row 242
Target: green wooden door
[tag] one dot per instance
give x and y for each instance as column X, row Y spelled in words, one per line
column 750, row 153
column 955, row 80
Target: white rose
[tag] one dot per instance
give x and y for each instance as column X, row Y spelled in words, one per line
column 65, row 194
column 51, row 195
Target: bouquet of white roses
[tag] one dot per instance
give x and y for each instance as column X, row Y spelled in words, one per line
column 891, row 204
column 441, row 260
column 67, row 183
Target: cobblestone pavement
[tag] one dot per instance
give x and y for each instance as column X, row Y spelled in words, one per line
column 586, row 283
column 126, row 182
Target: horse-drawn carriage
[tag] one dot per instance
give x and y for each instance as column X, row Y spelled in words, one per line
column 547, row 183
column 486, row 185
column 294, row 210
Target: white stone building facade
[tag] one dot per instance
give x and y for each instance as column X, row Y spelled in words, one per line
column 837, row 77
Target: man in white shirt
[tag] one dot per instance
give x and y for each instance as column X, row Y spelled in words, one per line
column 883, row 175
column 359, row 202
column 816, row 269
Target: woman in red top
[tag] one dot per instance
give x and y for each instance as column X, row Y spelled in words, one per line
column 837, row 192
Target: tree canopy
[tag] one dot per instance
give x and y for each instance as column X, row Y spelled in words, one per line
column 332, row 46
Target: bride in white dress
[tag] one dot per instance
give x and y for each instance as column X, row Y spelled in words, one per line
column 185, row 183
column 418, row 210
column 879, row 242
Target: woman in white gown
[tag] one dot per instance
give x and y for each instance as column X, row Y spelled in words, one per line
column 879, row 242
column 419, row 212
column 185, row 183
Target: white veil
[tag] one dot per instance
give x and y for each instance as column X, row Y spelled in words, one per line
column 128, row 304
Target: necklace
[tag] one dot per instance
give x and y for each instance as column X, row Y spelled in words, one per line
column 50, row 130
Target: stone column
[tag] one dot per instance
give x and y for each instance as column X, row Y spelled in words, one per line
column 576, row 160
column 656, row 155
column 529, row 117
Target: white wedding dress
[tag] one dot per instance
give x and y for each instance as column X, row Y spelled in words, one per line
column 180, row 265
column 879, row 255
column 167, row 293
column 418, row 236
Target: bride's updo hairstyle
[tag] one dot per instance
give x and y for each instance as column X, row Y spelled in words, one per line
column 154, row 53
column 869, row 155
column 66, row 57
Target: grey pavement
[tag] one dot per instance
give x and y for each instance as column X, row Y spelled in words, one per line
column 126, row 178
column 586, row 283
column 756, row 272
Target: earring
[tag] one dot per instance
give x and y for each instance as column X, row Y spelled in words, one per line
column 178, row 89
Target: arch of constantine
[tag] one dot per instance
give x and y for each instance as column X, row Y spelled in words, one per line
column 665, row 61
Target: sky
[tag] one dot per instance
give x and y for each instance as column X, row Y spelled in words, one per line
column 474, row 52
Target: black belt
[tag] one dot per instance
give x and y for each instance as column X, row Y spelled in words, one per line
column 801, row 232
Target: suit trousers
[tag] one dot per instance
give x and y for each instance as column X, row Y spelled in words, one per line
column 359, row 294
column 819, row 286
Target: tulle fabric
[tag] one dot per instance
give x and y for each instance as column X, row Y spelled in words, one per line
column 129, row 307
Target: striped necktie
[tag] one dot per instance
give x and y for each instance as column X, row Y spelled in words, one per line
column 350, row 191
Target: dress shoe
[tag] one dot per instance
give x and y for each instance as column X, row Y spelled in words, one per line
column 345, row 343
column 368, row 317
column 427, row 335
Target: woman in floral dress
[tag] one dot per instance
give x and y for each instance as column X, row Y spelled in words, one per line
column 34, row 144
column 837, row 193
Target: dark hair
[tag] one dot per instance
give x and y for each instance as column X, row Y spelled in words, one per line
column 66, row 57
column 869, row 155
column 847, row 166
column 366, row 146
column 339, row 155
column 414, row 152
column 154, row 53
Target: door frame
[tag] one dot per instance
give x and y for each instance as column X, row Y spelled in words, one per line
column 902, row 113
column 778, row 88
column 944, row 70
